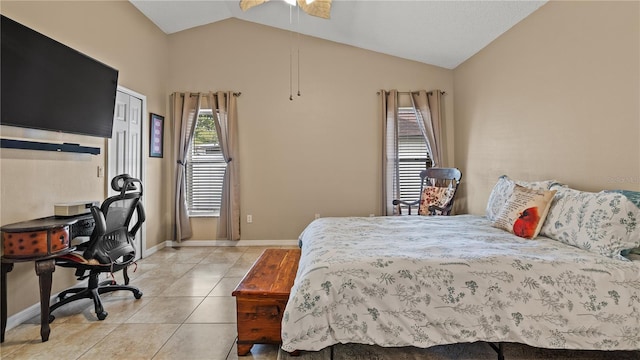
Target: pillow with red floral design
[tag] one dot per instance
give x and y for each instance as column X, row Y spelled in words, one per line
column 434, row 195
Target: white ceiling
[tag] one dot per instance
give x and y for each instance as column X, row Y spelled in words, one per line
column 441, row 33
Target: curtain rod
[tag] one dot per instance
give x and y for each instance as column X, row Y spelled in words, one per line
column 236, row 94
column 412, row 92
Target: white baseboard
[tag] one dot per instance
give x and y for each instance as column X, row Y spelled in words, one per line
column 24, row 315
column 152, row 250
column 187, row 243
column 34, row 310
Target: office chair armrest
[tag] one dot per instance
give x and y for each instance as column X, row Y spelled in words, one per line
column 406, row 203
column 100, row 227
column 141, row 218
column 99, row 230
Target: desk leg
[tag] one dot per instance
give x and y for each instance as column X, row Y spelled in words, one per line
column 6, row 267
column 44, row 270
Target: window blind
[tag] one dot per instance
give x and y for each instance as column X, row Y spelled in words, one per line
column 205, row 169
column 413, row 156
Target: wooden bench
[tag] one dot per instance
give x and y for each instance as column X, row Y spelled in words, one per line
column 261, row 297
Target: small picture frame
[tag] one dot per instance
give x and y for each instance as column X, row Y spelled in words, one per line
column 156, row 136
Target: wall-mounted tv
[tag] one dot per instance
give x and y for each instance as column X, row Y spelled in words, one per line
column 48, row 85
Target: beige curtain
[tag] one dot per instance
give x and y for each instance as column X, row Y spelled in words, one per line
column 184, row 112
column 427, row 105
column 224, row 104
column 388, row 115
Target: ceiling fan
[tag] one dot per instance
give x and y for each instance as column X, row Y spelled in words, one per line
column 319, row 8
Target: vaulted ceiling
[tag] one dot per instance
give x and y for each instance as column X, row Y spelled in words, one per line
column 441, row 33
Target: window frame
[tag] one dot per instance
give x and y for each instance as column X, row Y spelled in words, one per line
column 411, row 155
column 216, row 165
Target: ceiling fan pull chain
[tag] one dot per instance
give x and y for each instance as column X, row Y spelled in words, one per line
column 291, row 70
column 290, row 55
column 298, row 34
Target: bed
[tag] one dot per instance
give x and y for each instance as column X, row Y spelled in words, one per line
column 423, row 281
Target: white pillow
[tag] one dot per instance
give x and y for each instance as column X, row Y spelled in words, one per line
column 607, row 222
column 502, row 191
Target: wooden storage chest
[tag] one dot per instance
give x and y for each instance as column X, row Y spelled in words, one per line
column 261, row 297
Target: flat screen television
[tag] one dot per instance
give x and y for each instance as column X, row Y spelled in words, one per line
column 50, row 86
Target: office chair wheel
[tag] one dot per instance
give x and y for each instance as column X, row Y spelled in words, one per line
column 51, row 318
column 102, row 315
column 137, row 294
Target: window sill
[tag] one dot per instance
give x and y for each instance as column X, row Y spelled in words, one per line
column 205, row 215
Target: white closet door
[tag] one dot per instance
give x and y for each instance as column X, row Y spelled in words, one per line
column 135, row 137
column 119, row 154
column 125, row 146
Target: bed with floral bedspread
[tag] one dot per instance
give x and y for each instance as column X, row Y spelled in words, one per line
column 425, row 281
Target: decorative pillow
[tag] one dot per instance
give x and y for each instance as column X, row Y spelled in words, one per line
column 606, row 222
column 434, row 195
column 524, row 213
column 503, row 189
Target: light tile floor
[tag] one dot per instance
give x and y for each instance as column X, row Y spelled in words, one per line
column 186, row 312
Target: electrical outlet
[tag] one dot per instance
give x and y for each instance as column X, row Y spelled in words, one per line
column 249, row 219
column 317, row 216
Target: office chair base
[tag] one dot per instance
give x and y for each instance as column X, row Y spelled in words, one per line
column 93, row 292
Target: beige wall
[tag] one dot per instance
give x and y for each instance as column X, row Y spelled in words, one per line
column 319, row 153
column 32, row 181
column 554, row 97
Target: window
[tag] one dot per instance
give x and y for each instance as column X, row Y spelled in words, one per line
column 413, row 155
column 205, row 168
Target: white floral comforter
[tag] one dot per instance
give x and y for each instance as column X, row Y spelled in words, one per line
column 424, row 281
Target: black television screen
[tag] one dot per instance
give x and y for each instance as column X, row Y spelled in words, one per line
column 48, row 85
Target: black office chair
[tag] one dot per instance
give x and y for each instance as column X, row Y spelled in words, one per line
column 110, row 247
column 434, row 177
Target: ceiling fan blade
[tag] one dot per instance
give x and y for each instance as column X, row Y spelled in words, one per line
column 319, row 8
column 248, row 4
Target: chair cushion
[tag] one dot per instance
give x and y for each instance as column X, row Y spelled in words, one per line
column 434, row 195
column 524, row 212
column 607, row 222
column 502, row 191
column 77, row 257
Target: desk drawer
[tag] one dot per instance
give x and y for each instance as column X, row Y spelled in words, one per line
column 29, row 244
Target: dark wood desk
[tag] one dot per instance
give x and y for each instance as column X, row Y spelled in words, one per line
column 39, row 240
